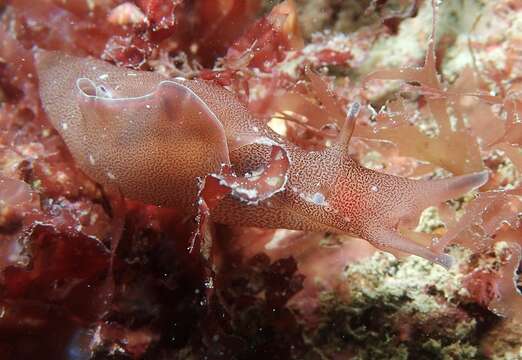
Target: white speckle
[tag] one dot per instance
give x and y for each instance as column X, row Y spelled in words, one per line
column 131, row 74
column 255, row 128
column 279, row 156
column 266, row 141
column 249, row 193
column 273, row 180
column 316, row 198
column 374, row 188
column 255, row 175
column 65, row 126
column 209, row 284
column 111, row 175
column 148, row 106
column 103, row 76
column 91, row 159
column 279, row 238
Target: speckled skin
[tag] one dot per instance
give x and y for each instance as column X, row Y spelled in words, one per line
column 153, row 138
column 133, row 142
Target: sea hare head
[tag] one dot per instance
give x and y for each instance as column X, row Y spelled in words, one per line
column 149, row 136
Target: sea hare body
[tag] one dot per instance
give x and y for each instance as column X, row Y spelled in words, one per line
column 154, row 138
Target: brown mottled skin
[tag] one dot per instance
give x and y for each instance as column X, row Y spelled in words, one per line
column 153, row 138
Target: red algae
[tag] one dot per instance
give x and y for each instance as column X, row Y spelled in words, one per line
column 109, row 276
column 267, row 41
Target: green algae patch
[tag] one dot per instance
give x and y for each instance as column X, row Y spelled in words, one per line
column 391, row 309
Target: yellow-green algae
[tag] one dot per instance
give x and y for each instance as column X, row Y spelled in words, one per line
column 399, row 309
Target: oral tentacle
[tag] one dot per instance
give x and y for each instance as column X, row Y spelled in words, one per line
column 387, row 239
column 437, row 191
